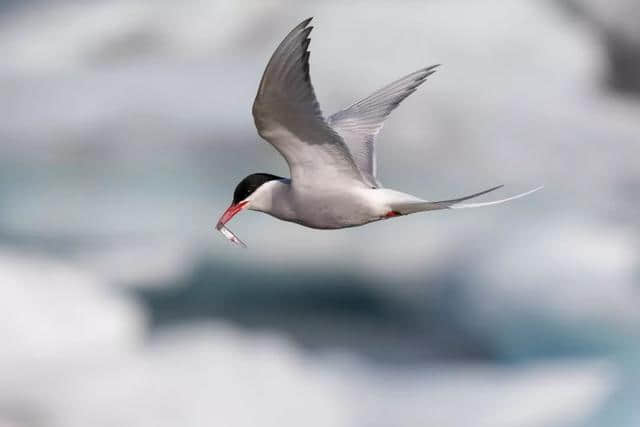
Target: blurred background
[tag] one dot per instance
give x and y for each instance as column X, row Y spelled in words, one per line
column 125, row 126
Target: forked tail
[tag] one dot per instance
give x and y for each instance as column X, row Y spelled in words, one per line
column 410, row 207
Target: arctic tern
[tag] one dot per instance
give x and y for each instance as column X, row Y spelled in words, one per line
column 332, row 161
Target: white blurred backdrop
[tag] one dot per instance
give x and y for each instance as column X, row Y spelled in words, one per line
column 125, row 126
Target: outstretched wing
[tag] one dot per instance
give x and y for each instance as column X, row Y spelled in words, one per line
column 413, row 206
column 359, row 124
column 287, row 115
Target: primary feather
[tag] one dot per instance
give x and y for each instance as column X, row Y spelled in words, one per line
column 359, row 124
column 287, row 115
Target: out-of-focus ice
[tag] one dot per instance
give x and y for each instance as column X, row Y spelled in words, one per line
column 56, row 321
column 620, row 15
column 73, row 356
column 53, row 315
column 127, row 124
column 581, row 255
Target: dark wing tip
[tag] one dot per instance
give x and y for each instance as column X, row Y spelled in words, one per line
column 307, row 30
column 299, row 27
column 430, row 70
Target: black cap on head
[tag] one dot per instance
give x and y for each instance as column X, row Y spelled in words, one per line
column 250, row 184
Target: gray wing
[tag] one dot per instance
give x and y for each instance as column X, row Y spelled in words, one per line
column 359, row 124
column 287, row 115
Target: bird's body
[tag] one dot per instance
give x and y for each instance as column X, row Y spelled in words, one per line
column 332, row 161
column 328, row 206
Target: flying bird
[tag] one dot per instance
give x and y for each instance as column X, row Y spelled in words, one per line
column 332, row 160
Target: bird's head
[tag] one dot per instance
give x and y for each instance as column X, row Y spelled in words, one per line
column 250, row 193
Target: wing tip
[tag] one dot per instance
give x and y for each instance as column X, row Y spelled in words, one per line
column 420, row 76
column 430, row 70
column 303, row 26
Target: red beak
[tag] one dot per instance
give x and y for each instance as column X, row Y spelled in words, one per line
column 230, row 213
